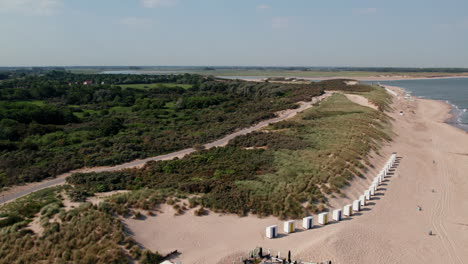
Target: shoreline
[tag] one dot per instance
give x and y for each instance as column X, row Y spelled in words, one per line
column 370, row 78
column 452, row 116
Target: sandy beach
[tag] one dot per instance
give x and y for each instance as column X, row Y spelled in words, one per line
column 432, row 174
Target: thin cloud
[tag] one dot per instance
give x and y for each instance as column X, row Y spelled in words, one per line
column 263, row 7
column 136, row 22
column 460, row 25
column 280, row 22
column 365, row 11
column 31, row 7
column 158, row 3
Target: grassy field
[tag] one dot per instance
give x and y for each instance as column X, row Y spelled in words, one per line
column 154, row 85
column 33, row 102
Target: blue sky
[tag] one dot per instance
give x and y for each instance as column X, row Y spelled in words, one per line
column 410, row 33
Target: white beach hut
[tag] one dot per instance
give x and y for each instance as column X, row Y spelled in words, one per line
column 272, row 231
column 372, row 189
column 380, row 178
column 375, row 181
column 367, row 194
column 357, row 206
column 348, row 210
column 383, row 172
column 337, row 214
column 308, row 222
column 289, row 226
column 323, row 218
column 362, row 200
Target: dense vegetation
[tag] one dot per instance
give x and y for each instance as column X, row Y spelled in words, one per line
column 88, row 234
column 287, row 171
column 56, row 122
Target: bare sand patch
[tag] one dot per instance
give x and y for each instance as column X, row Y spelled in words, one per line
column 361, row 100
column 36, row 226
column 351, row 82
column 67, row 203
column 99, row 197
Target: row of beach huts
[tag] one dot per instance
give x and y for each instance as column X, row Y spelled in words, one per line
column 337, row 215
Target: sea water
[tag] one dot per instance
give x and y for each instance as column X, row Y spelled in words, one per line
column 451, row 90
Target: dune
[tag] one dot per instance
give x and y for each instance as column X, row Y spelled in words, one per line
column 359, row 99
column 390, row 229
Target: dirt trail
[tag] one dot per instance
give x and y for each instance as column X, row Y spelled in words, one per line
column 20, row 191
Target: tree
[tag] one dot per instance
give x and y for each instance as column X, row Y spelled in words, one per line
column 111, row 126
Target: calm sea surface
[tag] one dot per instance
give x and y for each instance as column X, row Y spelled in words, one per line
column 453, row 91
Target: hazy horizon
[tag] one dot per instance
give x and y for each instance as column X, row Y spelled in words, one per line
column 364, row 33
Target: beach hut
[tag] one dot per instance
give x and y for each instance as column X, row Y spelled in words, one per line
column 348, row 210
column 323, row 218
column 362, row 200
column 375, row 181
column 383, row 172
column 308, row 222
column 367, row 194
column 357, row 206
column 272, row 231
column 337, row 215
column 289, row 226
column 372, row 189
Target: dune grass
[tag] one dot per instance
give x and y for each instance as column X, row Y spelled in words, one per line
column 87, row 234
column 286, row 172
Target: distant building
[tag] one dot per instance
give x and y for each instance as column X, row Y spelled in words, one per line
column 87, row 82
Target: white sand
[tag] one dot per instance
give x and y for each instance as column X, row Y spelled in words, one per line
column 36, row 226
column 389, row 230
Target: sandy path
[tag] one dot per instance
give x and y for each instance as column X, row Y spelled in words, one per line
column 19, row 191
column 389, row 230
